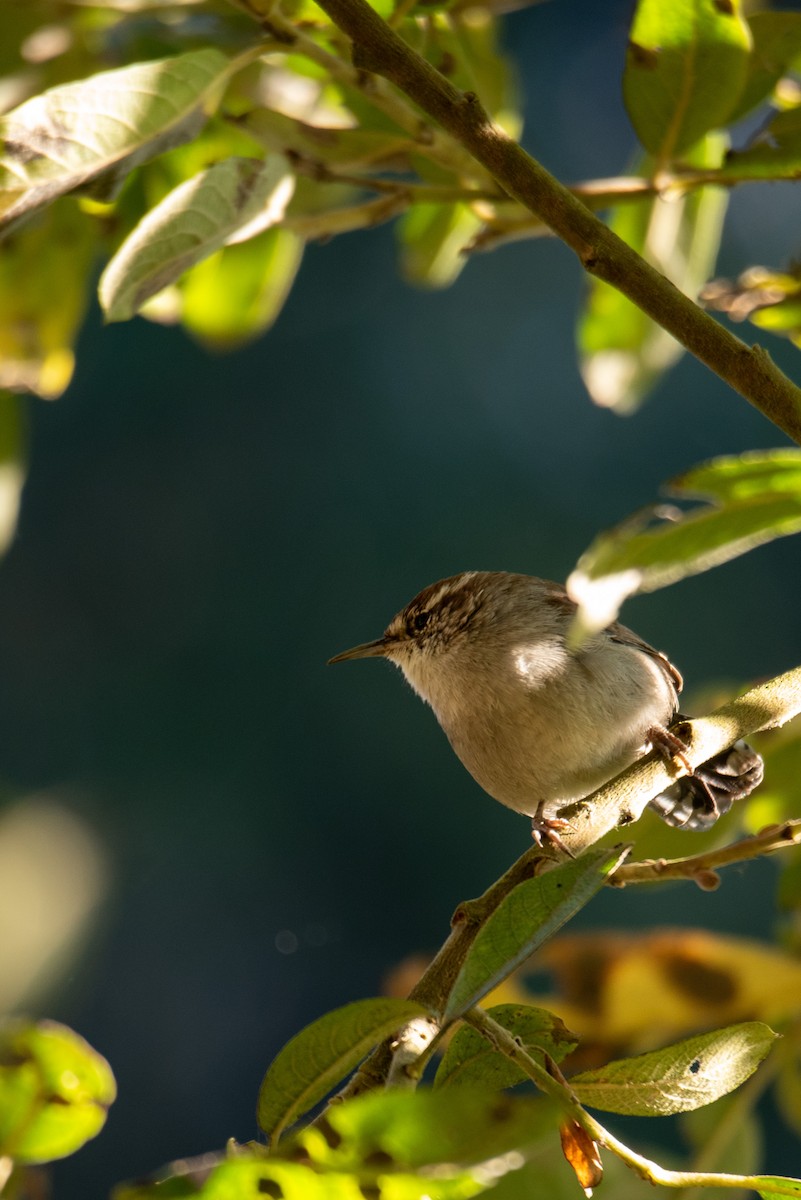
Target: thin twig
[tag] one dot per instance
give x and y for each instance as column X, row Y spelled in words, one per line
column 655, row 870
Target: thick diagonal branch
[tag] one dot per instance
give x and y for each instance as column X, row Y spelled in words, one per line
column 749, row 370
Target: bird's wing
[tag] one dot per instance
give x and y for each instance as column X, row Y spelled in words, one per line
column 626, row 637
column 556, row 596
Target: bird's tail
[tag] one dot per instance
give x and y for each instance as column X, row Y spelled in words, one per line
column 697, row 800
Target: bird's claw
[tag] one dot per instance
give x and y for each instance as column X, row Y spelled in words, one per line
column 669, row 745
column 545, row 831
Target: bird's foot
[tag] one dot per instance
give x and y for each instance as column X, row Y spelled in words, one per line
column 667, row 743
column 545, row 831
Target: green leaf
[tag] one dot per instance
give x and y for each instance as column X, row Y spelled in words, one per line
column 45, row 272
column 55, row 1091
column 238, row 293
column 776, row 1185
column 685, row 69
column 318, row 1057
column 763, row 505
column 231, row 200
column 470, row 1060
column 623, row 353
column 775, row 153
column 433, row 238
column 400, row 1131
column 776, row 42
column 102, row 127
column 678, row 1078
column 741, row 476
column 254, row 1177
column 525, row 919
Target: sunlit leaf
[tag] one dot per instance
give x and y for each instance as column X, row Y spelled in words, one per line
column 471, row 1060
column 45, row 271
column 252, row 1176
column 433, row 238
column 775, row 152
column 527, row 917
column 55, row 1091
column 623, row 352
column 318, row 1057
column 686, row 67
column 742, row 476
column 101, row 127
column 633, row 557
column 238, row 292
column 231, row 200
column 776, row 43
column 677, row 1078
column 399, row 1131
column 776, row 1185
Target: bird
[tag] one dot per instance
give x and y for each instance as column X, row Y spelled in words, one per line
column 538, row 724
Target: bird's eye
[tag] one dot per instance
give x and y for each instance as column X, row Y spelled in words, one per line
column 421, row 620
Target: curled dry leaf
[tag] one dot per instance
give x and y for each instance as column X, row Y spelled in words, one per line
column 582, row 1153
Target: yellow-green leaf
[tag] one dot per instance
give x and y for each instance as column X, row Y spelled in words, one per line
column 238, row 292
column 686, row 67
column 633, row 557
column 44, row 291
column 55, row 1091
column 623, row 353
column 399, row 1130
column 776, row 43
column 433, row 238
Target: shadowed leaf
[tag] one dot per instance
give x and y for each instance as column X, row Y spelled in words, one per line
column 318, row 1057
column 526, row 918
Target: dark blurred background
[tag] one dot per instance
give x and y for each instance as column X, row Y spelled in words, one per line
column 199, row 534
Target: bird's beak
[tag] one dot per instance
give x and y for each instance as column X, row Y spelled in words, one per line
column 376, row 649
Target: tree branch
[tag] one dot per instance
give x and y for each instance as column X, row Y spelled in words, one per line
column 750, row 371
column 614, row 805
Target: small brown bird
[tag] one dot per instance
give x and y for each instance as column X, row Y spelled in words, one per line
column 537, row 725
